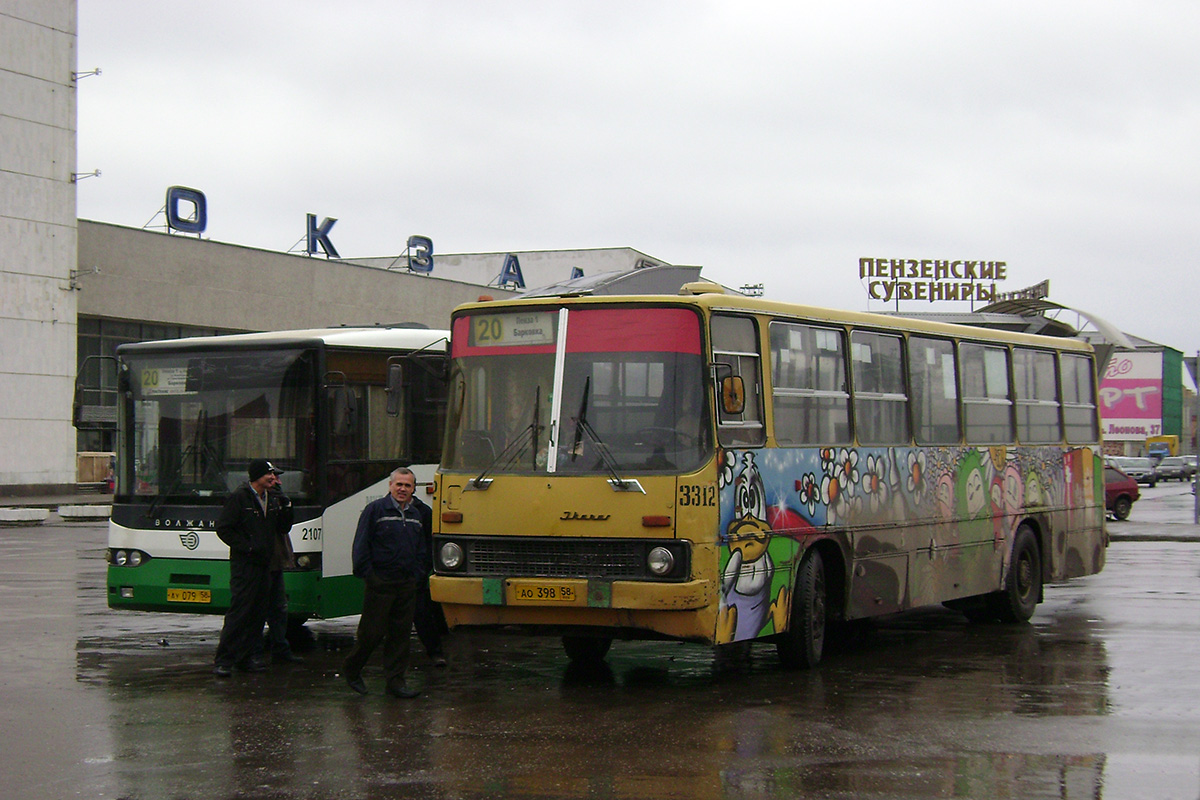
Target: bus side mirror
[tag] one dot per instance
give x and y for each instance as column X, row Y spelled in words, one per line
column 395, row 389
column 733, row 395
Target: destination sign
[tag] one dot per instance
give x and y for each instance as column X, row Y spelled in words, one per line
column 508, row 330
column 163, row 381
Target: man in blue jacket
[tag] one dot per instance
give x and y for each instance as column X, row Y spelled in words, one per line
column 254, row 522
column 390, row 555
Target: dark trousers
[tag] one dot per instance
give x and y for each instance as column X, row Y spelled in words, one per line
column 431, row 623
column 249, row 603
column 387, row 616
column 277, row 618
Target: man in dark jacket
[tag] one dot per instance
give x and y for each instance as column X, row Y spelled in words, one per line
column 254, row 523
column 390, row 555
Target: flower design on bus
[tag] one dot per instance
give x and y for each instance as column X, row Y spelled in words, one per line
column 725, row 473
column 874, row 480
column 914, row 474
column 837, row 484
column 809, row 491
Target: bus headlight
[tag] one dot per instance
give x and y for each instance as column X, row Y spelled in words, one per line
column 660, row 561
column 125, row 558
column 451, row 555
column 305, row 561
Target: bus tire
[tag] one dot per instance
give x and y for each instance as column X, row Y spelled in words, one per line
column 1023, row 588
column 586, row 649
column 803, row 644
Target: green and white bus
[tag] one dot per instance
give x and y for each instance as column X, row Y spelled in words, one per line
column 337, row 409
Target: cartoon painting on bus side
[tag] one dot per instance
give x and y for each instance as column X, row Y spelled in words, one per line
column 771, row 499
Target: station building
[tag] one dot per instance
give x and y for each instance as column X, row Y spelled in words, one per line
column 71, row 289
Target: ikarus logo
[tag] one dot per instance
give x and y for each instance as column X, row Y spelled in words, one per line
column 190, row 540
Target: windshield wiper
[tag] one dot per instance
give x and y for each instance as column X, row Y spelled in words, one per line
column 206, row 456
column 512, row 451
column 582, row 427
column 161, row 497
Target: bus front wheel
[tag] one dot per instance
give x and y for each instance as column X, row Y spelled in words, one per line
column 1018, row 599
column 586, row 649
column 803, row 644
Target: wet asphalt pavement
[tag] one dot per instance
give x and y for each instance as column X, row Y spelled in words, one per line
column 1098, row 697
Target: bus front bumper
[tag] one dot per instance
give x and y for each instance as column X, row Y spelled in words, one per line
column 678, row 610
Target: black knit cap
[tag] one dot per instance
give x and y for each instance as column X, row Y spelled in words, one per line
column 260, row 467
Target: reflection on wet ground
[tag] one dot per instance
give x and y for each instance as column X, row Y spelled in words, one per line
column 1098, row 697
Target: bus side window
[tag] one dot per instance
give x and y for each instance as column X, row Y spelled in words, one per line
column 1079, row 399
column 987, row 408
column 880, row 397
column 735, row 345
column 933, row 390
column 809, row 387
column 1036, row 383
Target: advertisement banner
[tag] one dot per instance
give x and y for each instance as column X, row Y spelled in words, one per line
column 1131, row 397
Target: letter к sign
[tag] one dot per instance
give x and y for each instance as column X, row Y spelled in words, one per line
column 320, row 235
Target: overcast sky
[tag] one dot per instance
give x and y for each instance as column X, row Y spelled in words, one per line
column 769, row 142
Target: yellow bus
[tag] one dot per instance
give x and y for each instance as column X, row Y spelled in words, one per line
column 717, row 468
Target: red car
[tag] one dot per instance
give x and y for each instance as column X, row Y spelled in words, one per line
column 1120, row 491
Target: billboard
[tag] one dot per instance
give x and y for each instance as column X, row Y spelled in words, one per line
column 1131, row 395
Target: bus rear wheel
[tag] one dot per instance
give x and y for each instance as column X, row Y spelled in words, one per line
column 803, row 644
column 1018, row 599
column 586, row 649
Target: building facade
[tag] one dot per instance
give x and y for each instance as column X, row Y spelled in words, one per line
column 38, row 302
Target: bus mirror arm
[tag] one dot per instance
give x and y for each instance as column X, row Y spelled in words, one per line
column 86, row 417
column 423, row 363
column 733, row 388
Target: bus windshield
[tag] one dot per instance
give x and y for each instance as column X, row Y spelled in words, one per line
column 631, row 384
column 199, row 418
